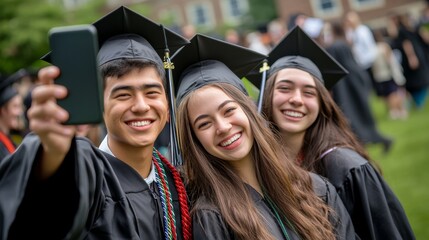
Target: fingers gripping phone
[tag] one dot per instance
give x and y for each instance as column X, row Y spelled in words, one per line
column 74, row 50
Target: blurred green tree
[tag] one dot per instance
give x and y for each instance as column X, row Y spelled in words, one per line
column 260, row 13
column 24, row 26
column 23, row 31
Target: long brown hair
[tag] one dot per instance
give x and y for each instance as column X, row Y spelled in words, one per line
column 286, row 184
column 330, row 129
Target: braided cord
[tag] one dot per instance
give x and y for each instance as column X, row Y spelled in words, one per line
column 183, row 199
column 167, row 187
column 167, row 228
column 166, row 200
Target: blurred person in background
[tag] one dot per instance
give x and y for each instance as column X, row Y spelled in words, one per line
column 276, row 31
column 423, row 27
column 234, row 37
column 188, row 31
column 11, row 111
column 296, row 19
column 363, row 43
column 389, row 78
column 313, row 27
column 351, row 93
column 255, row 41
column 413, row 57
column 24, row 83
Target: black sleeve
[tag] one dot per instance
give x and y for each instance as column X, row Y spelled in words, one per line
column 3, row 151
column 56, row 208
column 48, row 206
column 375, row 210
column 208, row 224
column 15, row 172
column 340, row 218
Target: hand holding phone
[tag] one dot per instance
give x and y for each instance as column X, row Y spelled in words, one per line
column 74, row 50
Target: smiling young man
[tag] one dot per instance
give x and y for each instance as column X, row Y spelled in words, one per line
column 123, row 190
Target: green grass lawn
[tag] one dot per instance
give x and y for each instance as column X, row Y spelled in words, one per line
column 406, row 166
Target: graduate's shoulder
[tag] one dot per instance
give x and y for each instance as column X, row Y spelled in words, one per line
column 343, row 159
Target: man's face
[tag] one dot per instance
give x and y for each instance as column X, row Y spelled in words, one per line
column 11, row 112
column 135, row 108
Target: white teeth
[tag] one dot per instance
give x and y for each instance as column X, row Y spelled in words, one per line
column 231, row 140
column 293, row 114
column 140, row 123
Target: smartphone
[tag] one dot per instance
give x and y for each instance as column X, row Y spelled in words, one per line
column 74, row 50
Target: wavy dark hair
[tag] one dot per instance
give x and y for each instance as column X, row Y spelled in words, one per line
column 214, row 179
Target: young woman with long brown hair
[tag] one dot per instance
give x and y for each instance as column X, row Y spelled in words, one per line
column 316, row 134
column 240, row 183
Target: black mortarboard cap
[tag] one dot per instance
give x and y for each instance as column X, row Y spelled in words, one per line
column 207, row 60
column 124, row 33
column 7, row 91
column 298, row 50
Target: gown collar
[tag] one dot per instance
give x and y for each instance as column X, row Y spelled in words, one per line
column 105, row 148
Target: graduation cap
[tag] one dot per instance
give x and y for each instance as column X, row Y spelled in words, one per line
column 7, row 91
column 298, row 50
column 124, row 33
column 206, row 60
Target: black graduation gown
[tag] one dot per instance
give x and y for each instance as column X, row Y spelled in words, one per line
column 208, row 223
column 417, row 79
column 373, row 207
column 3, row 149
column 92, row 196
column 352, row 95
column 340, row 220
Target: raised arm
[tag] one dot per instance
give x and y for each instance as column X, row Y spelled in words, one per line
column 45, row 118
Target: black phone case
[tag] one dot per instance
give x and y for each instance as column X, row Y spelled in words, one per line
column 74, row 50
